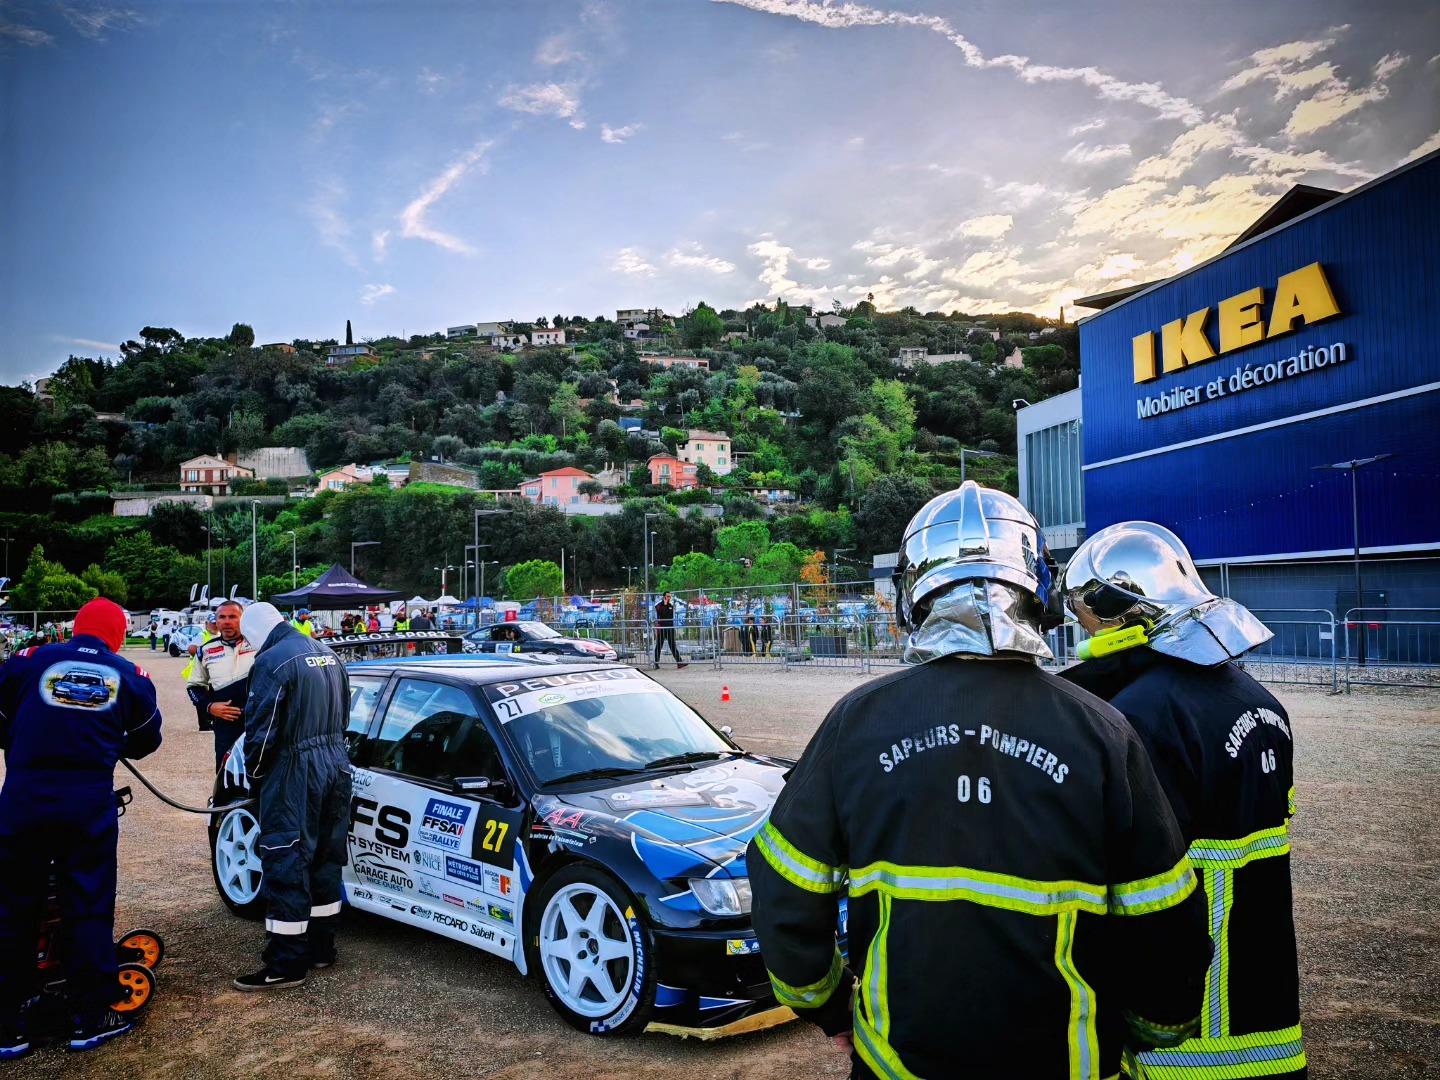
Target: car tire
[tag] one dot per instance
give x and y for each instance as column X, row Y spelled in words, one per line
column 613, row 990
column 173, row 651
column 235, row 859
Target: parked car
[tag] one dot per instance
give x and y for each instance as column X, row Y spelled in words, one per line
column 182, row 637
column 578, row 820
column 535, row 637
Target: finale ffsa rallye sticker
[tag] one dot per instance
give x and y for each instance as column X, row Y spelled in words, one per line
column 512, row 700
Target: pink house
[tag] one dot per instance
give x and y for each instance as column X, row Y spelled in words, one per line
column 558, row 487
column 667, row 470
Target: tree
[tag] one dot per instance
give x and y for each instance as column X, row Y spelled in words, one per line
column 888, row 505
column 593, row 488
column 446, row 446
column 743, row 543
column 106, row 583
column 537, row 577
column 696, row 570
column 241, row 336
column 702, row 327
column 565, row 408
column 248, row 431
column 48, row 586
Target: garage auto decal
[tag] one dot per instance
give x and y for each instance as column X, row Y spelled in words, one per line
column 381, row 874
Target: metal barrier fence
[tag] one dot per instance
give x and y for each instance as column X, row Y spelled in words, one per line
column 1302, row 652
column 1392, row 647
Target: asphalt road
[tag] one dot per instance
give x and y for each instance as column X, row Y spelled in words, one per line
column 401, row 1001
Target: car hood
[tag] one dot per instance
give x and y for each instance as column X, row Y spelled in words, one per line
column 686, row 823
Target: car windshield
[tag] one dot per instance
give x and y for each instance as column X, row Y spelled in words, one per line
column 537, row 630
column 82, row 677
column 608, row 722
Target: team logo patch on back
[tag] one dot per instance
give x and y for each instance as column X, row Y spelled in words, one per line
column 71, row 685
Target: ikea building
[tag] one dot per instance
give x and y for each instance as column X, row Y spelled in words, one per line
column 1276, row 406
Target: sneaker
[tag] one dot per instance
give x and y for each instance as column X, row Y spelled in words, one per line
column 91, row 1035
column 681, row 665
column 13, row 1043
column 266, row 979
column 320, row 963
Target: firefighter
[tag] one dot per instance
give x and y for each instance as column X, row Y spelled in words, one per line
column 1019, row 898
column 68, row 713
column 1222, row 747
column 295, row 718
column 221, row 678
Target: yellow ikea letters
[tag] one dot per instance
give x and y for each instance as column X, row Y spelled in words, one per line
column 1302, row 297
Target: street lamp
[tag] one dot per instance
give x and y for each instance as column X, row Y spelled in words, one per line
column 973, row 453
column 294, row 559
column 1353, row 467
column 443, row 571
column 208, row 535
column 254, row 552
column 359, row 544
column 483, row 564
column 627, row 575
column 645, row 537
column 8, row 540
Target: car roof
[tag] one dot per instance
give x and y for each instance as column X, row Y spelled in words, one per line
column 474, row 669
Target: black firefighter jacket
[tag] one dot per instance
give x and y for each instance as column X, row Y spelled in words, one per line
column 1020, row 902
column 1222, row 748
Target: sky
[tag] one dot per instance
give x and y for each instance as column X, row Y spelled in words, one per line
column 417, row 165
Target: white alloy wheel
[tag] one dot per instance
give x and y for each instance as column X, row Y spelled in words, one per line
column 586, row 950
column 237, row 857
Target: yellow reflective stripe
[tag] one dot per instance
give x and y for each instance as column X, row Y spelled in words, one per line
column 1080, row 1032
column 1232, row 854
column 1233, row 1057
column 794, row 865
column 877, row 972
column 811, row 995
column 877, row 1053
column 1005, row 891
column 1215, row 1014
column 1154, row 893
column 1290, row 802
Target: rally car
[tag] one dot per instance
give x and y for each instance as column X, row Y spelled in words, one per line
column 81, row 687
column 578, row 820
column 535, row 637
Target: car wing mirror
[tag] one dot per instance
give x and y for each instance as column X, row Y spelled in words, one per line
column 726, row 729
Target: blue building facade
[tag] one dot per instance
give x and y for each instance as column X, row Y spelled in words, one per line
column 1211, row 399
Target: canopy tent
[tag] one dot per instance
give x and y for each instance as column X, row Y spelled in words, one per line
column 446, row 601
column 334, row 589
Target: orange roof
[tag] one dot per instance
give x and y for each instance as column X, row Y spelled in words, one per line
column 569, row 470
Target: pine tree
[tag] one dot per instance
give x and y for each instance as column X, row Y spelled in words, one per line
column 349, row 335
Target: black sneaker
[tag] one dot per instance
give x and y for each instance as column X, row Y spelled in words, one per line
column 14, row 1043
column 90, row 1035
column 320, row 963
column 678, row 666
column 267, row 979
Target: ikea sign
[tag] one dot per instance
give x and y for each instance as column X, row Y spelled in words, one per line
column 1301, row 298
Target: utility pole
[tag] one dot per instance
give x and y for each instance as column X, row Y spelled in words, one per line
column 254, row 552
column 1353, row 467
column 7, row 540
column 294, row 565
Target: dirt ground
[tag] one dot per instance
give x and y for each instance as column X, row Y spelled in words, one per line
column 1366, row 863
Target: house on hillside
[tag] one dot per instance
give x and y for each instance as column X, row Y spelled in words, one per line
column 344, row 355
column 918, row 355
column 344, row 477
column 667, row 470
column 464, row 330
column 280, row 346
column 710, row 448
column 611, row 477
column 824, row 322
column 210, row 474
column 668, row 362
column 396, row 472
column 557, row 487
column 540, row 337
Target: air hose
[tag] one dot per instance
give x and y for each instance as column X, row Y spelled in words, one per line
column 179, row 805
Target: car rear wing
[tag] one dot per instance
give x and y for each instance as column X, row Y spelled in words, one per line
column 396, row 643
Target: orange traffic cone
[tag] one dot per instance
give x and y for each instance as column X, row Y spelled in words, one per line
column 724, row 693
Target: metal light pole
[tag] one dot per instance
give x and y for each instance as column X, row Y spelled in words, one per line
column 8, row 540
column 209, row 535
column 973, row 453
column 645, row 537
column 482, row 583
column 294, row 559
column 359, row 544
column 254, row 552
column 1353, row 467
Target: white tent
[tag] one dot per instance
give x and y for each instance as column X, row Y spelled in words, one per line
column 446, row 601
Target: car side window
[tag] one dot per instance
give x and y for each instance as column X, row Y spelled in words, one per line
column 365, row 694
column 421, row 729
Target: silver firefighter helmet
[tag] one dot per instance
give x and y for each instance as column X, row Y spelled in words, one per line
column 1137, row 573
column 974, row 577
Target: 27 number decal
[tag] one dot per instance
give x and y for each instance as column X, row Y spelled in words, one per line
column 981, row 789
column 494, row 835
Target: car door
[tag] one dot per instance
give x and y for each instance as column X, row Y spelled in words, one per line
column 415, row 837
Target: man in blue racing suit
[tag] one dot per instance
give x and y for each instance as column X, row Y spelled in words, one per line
column 68, row 712
column 295, row 719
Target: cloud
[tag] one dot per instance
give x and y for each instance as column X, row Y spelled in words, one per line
column 1336, row 99
column 848, row 15
column 1088, row 125
column 25, row 35
column 430, row 81
column 331, row 225
column 1081, row 154
column 988, row 226
column 93, row 23
column 776, row 259
column 413, row 223
column 1279, row 61
column 378, row 242
column 1429, row 145
column 628, row 260
column 557, row 49
column 562, row 101
column 814, row 264
column 695, row 259
column 986, row 268
column 620, row 134
column 87, row 343
column 371, row 293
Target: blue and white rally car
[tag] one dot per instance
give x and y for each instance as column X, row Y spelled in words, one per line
column 577, row 819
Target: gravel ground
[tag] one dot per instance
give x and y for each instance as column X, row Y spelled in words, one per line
column 1366, row 862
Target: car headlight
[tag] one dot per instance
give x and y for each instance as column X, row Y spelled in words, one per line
column 722, row 896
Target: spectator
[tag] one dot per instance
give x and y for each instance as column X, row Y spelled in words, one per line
column 422, row 621
column 154, row 635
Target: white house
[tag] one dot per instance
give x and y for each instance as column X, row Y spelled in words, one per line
column 710, row 448
column 540, row 337
column 211, row 475
column 462, row 331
